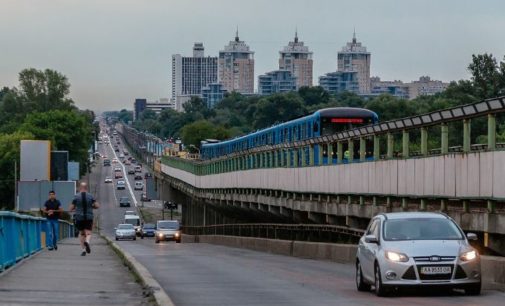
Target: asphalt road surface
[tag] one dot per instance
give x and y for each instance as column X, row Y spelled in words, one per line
column 203, row 274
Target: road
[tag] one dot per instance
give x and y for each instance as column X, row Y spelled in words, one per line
column 203, row 274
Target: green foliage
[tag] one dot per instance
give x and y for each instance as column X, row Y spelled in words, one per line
column 194, row 132
column 9, row 153
column 67, row 130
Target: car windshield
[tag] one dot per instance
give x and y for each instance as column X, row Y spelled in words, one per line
column 123, row 199
column 120, row 182
column 132, row 221
column 125, row 226
column 168, row 225
column 149, row 226
column 421, row 229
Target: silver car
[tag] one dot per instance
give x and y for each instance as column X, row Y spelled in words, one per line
column 125, row 231
column 416, row 249
column 167, row 230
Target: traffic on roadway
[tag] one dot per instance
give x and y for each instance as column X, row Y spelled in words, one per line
column 204, row 274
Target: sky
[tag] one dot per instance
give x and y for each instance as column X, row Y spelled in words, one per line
column 114, row 51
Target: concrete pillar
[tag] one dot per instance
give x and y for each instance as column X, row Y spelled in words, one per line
column 320, row 154
column 330, row 153
column 443, row 205
column 445, row 138
column 390, row 145
column 304, row 156
column 424, row 141
column 491, row 132
column 311, row 155
column 340, row 152
column 374, row 201
column 423, row 204
column 466, row 135
column 351, row 150
column 362, row 149
column 466, row 206
column 295, row 157
column 406, row 141
column 361, row 200
column 491, row 206
column 376, row 147
column 404, row 204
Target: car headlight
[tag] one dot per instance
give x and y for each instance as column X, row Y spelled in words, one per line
column 396, row 257
column 467, row 256
column 176, row 234
column 160, row 234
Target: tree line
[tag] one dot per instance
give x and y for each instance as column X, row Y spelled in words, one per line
column 40, row 108
column 237, row 114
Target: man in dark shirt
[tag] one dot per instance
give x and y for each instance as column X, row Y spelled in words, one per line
column 83, row 205
column 52, row 209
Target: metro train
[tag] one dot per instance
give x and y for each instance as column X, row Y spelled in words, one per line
column 325, row 121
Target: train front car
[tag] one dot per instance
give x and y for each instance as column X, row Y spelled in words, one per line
column 338, row 119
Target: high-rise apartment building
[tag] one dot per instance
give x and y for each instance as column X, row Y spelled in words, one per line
column 354, row 57
column 340, row 81
column 278, row 81
column 297, row 59
column 213, row 93
column 236, row 67
column 191, row 74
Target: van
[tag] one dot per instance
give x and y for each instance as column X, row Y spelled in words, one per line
column 133, row 220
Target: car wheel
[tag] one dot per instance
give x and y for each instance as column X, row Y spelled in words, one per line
column 141, row 236
column 134, row 238
column 380, row 289
column 117, row 238
column 473, row 289
column 360, row 284
column 157, row 241
column 178, row 241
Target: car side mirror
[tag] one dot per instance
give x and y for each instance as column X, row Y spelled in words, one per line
column 371, row 239
column 472, row 236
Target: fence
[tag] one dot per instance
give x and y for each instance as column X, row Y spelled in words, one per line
column 21, row 236
column 300, row 232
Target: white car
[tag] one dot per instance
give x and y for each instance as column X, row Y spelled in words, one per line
column 139, row 185
column 108, row 179
column 125, row 231
column 114, row 160
column 416, row 249
column 117, row 169
column 120, row 185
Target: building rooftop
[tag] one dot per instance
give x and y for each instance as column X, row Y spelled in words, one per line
column 295, row 46
column 354, row 46
column 237, row 46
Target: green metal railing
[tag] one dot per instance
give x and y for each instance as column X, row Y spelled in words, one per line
column 288, row 154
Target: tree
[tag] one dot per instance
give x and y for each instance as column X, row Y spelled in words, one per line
column 44, row 90
column 488, row 77
column 197, row 131
column 278, row 108
column 125, row 116
column 67, row 130
column 314, row 95
column 9, row 154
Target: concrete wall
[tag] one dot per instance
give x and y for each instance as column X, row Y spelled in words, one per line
column 493, row 268
column 475, row 175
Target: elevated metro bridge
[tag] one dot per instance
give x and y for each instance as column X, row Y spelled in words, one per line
column 288, row 182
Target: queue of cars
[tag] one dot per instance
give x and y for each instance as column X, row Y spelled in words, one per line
column 132, row 227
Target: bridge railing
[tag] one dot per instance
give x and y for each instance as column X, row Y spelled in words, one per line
column 21, row 236
column 302, row 153
column 300, row 232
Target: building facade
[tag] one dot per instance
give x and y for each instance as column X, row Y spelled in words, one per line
column 355, row 57
column 277, row 81
column 425, row 86
column 297, row 59
column 340, row 81
column 213, row 94
column 191, row 74
column 236, row 67
column 140, row 105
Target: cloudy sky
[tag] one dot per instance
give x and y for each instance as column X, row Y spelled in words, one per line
column 113, row 51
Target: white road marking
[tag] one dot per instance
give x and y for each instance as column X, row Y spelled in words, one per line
column 125, row 176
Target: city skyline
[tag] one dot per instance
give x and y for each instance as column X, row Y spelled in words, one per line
column 133, row 59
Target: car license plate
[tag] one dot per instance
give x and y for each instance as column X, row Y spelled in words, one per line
column 435, row 270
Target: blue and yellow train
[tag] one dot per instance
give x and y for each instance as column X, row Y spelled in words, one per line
column 322, row 122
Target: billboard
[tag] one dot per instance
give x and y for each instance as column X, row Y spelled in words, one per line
column 35, row 160
column 59, row 166
column 33, row 194
column 73, row 171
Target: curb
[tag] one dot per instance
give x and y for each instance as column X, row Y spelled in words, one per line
column 147, row 280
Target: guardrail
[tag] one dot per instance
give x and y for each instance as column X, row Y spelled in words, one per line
column 295, row 232
column 21, row 236
column 301, row 153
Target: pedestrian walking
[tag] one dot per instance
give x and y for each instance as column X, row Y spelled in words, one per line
column 52, row 209
column 83, row 205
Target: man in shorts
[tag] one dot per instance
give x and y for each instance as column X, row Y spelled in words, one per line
column 83, row 205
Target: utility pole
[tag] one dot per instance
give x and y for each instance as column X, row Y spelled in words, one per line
column 16, row 185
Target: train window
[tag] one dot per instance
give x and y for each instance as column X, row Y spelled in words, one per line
column 316, row 127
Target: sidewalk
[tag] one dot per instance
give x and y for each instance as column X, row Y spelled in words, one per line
column 64, row 277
